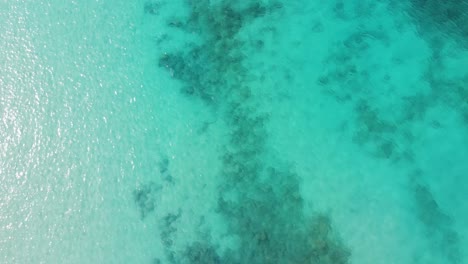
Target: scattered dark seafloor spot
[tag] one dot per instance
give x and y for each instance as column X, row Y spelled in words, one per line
column 152, row 7
column 205, row 126
column 437, row 225
column 349, row 84
column 441, row 19
column 446, row 92
column 167, row 230
column 221, row 51
column 440, row 23
column 201, row 252
column 145, row 198
column 266, row 214
column 163, row 166
column 146, row 195
column 156, row 261
column 392, row 135
column 349, row 10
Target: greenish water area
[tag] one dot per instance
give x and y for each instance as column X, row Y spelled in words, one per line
column 253, row 131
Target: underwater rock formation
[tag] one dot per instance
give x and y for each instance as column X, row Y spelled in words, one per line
column 450, row 18
column 437, row 225
column 145, row 198
column 261, row 202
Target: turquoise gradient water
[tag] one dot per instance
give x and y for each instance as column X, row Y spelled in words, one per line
column 271, row 131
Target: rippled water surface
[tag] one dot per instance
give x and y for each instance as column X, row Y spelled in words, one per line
column 271, row 131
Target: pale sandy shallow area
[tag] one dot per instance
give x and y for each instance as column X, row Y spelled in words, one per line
column 105, row 158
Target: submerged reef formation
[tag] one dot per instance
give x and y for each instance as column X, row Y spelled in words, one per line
column 382, row 134
column 385, row 113
column 199, row 252
column 437, row 225
column 152, row 7
column 389, row 116
column 440, row 23
column 147, row 194
column 442, row 18
column 259, row 199
column 201, row 66
column 167, row 227
column 145, row 198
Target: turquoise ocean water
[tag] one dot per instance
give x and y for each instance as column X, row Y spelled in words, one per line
column 253, row 131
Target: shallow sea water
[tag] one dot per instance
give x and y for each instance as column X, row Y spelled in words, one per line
column 254, row 131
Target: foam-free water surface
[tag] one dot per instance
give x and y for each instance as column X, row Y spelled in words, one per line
column 205, row 131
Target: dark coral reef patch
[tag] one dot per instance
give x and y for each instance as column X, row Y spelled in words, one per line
column 260, row 200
